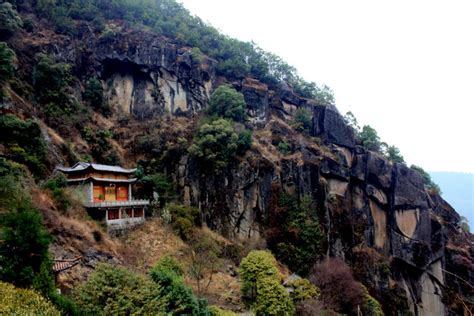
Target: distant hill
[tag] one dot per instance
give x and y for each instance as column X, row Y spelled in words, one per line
column 458, row 190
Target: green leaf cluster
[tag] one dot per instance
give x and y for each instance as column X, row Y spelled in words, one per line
column 10, row 21
column 227, row 103
column 116, row 291
column 183, row 219
column 302, row 120
column 7, row 63
column 294, row 233
column 217, row 143
column 261, row 284
column 303, row 289
column 236, row 59
column 180, row 300
column 429, row 183
column 15, row 301
column 24, row 143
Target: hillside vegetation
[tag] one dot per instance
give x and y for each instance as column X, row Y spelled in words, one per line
column 264, row 198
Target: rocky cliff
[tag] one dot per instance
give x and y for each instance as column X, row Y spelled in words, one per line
column 156, row 87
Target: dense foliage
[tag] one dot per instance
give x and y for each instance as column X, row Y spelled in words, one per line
column 24, row 143
column 15, row 301
column 302, row 120
column 168, row 274
column 227, row 103
column 112, row 291
column 183, row 218
column 10, row 21
column 429, row 183
column 7, row 63
column 237, row 59
column 261, row 284
column 218, row 142
column 293, row 232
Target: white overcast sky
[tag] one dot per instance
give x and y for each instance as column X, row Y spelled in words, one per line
column 404, row 67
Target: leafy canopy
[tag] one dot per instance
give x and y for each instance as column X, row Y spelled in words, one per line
column 15, row 301
column 111, row 291
column 217, row 142
column 226, row 102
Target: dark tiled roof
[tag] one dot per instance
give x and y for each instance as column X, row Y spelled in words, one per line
column 80, row 166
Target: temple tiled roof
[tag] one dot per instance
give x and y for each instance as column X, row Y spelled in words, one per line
column 80, row 166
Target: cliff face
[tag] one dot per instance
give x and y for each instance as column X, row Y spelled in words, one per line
column 363, row 199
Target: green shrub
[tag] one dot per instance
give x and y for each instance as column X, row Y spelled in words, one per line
column 293, row 231
column 371, row 306
column 183, row 219
column 284, row 147
column 111, row 291
column 302, row 120
column 24, row 248
column 10, row 21
column 393, row 154
column 24, row 143
column 56, row 185
column 94, row 95
column 7, row 63
column 158, row 183
column 429, row 183
column 180, row 298
column 217, row 311
column 227, row 103
column 303, row 289
column 272, row 298
column 258, row 264
column 217, row 142
column 14, row 301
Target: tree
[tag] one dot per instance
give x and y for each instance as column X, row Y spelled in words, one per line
column 464, row 223
column 7, row 62
column 339, row 290
column 429, row 183
column 393, row 154
column 111, row 291
column 180, row 299
column 216, row 143
column 272, row 298
column 24, row 248
column 302, row 120
column 370, row 139
column 205, row 261
column 15, row 301
column 293, row 231
column 256, row 265
column 10, row 21
column 226, row 102
column 94, row 94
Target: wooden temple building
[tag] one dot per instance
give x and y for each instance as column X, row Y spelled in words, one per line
column 106, row 192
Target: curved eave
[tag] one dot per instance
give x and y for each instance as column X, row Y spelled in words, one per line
column 102, row 180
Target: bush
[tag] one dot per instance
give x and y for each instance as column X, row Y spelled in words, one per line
column 110, row 291
column 303, row 290
column 14, row 301
column 272, row 298
column 160, row 184
column 180, row 298
column 7, row 63
column 56, row 186
column 302, row 120
column 217, row 311
column 293, row 231
column 10, row 21
column 216, row 143
column 339, row 290
column 258, row 264
column 94, row 95
column 205, row 261
column 24, row 248
column 24, row 143
column 371, row 306
column 227, row 103
column 429, row 183
column 183, row 219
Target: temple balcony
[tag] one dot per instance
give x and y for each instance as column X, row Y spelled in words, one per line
column 114, row 204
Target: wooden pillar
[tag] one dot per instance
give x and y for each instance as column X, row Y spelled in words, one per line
column 91, row 192
column 129, row 191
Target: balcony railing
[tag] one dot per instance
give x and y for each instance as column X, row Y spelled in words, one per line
column 117, row 203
